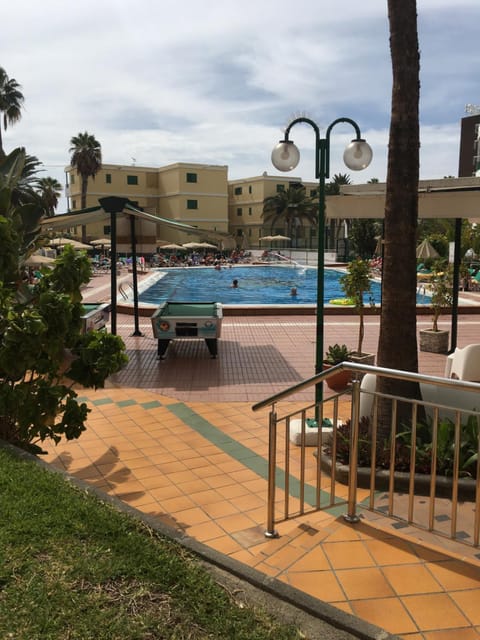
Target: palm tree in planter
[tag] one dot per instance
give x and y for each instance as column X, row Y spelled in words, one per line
column 435, row 340
column 356, row 283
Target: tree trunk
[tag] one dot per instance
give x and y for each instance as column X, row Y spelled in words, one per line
column 397, row 347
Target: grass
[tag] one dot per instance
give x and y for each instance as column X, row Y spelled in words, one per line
column 72, row 567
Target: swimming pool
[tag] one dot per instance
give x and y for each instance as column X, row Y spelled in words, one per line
column 257, row 285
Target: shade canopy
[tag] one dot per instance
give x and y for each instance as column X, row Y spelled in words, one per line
column 207, row 245
column 37, row 260
column 268, row 238
column 172, row 246
column 426, row 250
column 62, row 241
column 275, row 238
column 101, row 241
column 193, row 245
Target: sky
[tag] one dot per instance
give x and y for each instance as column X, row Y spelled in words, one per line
column 217, row 81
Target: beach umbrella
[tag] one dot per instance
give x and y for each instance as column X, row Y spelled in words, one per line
column 61, row 242
column 192, row 245
column 101, row 242
column 426, row 250
column 37, row 260
column 207, row 245
column 268, row 238
column 172, row 246
column 275, row 238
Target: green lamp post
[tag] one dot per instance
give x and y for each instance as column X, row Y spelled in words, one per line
column 285, row 157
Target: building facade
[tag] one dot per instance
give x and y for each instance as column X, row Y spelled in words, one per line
column 196, row 194
column 469, row 156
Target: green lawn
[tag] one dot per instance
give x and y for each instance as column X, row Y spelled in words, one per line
column 73, row 567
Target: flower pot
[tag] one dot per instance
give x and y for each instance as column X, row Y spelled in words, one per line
column 434, row 341
column 339, row 381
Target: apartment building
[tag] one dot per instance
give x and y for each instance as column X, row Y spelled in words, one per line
column 245, row 207
column 469, row 157
column 194, row 194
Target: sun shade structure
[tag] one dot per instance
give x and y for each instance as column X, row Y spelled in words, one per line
column 37, row 260
column 426, row 250
column 112, row 208
column 62, row 241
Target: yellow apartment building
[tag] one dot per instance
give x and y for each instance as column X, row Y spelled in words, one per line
column 195, row 194
column 245, row 207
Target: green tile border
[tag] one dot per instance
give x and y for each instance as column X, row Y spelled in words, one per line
column 228, row 445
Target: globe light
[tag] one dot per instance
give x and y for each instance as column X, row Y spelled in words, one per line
column 357, row 155
column 285, row 156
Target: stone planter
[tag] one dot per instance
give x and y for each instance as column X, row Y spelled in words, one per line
column 434, row 341
column 362, row 358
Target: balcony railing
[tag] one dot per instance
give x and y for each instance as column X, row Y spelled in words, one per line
column 304, row 475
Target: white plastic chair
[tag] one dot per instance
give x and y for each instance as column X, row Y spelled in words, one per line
column 465, row 363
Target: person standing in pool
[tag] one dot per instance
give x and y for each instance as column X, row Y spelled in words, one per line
column 235, row 284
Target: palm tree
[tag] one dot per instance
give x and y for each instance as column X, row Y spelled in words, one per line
column 50, row 191
column 291, row 208
column 397, row 346
column 87, row 160
column 11, row 102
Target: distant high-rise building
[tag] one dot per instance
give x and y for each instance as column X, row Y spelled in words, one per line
column 469, row 157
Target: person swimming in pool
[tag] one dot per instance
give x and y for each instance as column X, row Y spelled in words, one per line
column 235, row 284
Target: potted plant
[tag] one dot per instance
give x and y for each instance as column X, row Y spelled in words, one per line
column 335, row 354
column 356, row 283
column 435, row 340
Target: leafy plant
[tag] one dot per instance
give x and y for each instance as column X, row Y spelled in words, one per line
column 337, row 353
column 356, row 284
column 43, row 352
column 468, row 451
column 441, row 291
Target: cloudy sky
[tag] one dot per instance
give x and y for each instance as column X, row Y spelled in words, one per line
column 216, row 81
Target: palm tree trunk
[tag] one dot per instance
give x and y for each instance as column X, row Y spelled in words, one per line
column 397, row 346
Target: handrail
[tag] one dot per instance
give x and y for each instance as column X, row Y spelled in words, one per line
column 355, row 367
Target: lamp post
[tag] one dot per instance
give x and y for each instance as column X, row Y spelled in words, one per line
column 285, row 157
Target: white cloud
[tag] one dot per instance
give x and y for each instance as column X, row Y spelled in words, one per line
column 216, row 81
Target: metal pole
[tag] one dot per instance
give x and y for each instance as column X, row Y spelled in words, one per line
column 322, row 152
column 272, row 463
column 133, row 239
column 113, row 272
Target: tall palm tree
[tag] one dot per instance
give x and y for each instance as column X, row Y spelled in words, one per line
column 11, row 103
column 291, row 208
column 50, row 190
column 87, row 160
column 397, row 346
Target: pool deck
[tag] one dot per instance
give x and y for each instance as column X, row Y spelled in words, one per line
column 177, row 439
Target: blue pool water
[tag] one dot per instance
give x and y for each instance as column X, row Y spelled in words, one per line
column 256, row 285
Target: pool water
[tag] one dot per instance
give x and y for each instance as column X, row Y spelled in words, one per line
column 256, row 285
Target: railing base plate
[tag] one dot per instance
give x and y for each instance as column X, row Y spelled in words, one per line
column 351, row 519
column 271, row 534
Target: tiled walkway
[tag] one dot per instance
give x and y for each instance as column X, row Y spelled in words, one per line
column 177, row 439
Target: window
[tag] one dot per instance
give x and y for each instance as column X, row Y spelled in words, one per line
column 192, row 204
column 106, row 230
column 249, row 211
column 280, row 188
column 238, row 191
column 74, row 204
column 249, row 188
column 72, row 178
column 313, row 193
column 191, row 177
column 239, row 211
column 132, row 179
column 108, row 178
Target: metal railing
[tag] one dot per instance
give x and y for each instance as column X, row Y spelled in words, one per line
column 302, row 458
